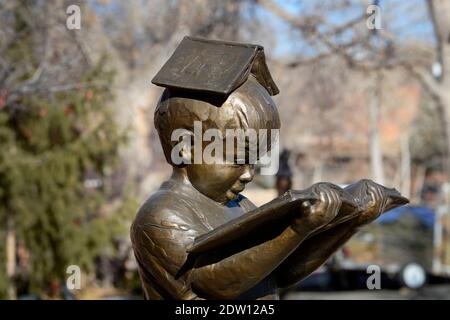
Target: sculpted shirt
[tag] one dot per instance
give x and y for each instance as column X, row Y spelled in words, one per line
column 166, row 224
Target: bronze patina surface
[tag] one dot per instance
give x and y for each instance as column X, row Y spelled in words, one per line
column 197, row 237
column 216, row 67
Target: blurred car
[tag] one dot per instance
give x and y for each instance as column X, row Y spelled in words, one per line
column 408, row 244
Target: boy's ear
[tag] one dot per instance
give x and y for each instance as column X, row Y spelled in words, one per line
column 186, row 150
column 186, row 153
column 182, row 144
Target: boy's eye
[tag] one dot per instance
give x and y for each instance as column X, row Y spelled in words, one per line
column 237, row 165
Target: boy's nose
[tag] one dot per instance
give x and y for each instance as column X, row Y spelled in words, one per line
column 248, row 174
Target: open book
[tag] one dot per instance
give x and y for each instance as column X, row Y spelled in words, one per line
column 260, row 225
column 269, row 221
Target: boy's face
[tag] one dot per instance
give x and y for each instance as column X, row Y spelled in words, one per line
column 245, row 112
column 220, row 182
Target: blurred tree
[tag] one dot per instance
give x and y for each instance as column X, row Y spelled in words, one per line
column 360, row 47
column 440, row 88
column 59, row 143
column 341, row 28
column 427, row 138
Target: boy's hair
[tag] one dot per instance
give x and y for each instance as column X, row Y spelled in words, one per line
column 248, row 107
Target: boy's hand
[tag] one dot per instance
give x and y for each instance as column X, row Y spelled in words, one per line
column 314, row 216
column 373, row 203
column 375, row 199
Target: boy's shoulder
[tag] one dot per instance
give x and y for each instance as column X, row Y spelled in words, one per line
column 173, row 207
column 178, row 206
column 165, row 208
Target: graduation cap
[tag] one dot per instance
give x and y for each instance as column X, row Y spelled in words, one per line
column 214, row 67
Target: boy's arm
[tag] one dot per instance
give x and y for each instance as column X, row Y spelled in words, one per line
column 240, row 272
column 313, row 252
column 161, row 251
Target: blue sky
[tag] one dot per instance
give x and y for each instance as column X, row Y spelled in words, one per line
column 407, row 19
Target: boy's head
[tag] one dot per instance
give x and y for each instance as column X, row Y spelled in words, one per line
column 248, row 108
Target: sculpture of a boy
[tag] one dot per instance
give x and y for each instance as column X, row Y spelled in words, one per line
column 197, row 197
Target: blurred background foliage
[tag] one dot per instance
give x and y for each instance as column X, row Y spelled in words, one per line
column 60, row 147
column 78, row 147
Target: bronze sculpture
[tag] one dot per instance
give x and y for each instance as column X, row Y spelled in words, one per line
column 197, row 237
